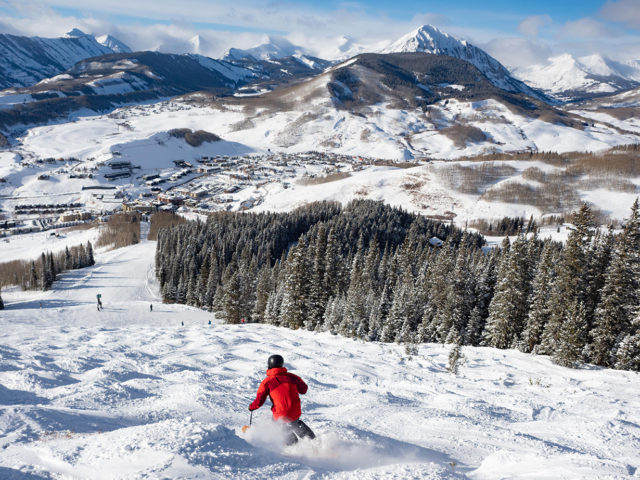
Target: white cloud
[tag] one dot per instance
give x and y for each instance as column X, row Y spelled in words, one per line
column 169, row 26
column 626, row 12
column 531, row 26
column 514, row 52
column 587, row 28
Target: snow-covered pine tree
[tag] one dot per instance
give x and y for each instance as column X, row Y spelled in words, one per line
column 571, row 283
column 318, row 293
column 401, row 313
column 355, row 311
column 456, row 309
column 192, row 291
column 213, row 280
column 435, row 286
column 181, row 291
column 620, row 294
column 296, row 287
column 509, row 307
column 332, row 276
column 334, row 313
column 483, row 293
column 263, row 289
column 628, row 350
column 572, row 337
column 274, row 303
column 539, row 311
column 231, row 299
column 601, row 255
column 380, row 311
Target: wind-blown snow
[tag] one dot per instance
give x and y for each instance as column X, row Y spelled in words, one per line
column 129, row 393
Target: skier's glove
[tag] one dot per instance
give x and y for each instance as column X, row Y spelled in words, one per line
column 251, row 409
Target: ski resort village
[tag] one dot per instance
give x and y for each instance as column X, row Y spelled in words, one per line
column 319, row 241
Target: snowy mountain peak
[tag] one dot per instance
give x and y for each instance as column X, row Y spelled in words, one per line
column 113, row 43
column 432, row 40
column 200, row 45
column 569, row 78
column 273, row 49
column 426, row 38
column 75, row 33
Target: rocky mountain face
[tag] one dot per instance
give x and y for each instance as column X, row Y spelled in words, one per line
column 25, row 61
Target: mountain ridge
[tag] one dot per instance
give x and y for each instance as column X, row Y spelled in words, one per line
column 25, row 61
column 432, row 40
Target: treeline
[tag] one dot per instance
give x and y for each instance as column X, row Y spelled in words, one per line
column 506, row 226
column 40, row 274
column 369, row 271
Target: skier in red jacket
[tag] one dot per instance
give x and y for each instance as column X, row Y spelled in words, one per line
column 283, row 388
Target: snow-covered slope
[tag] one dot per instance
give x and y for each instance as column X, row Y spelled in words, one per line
column 129, row 393
column 275, row 48
column 27, row 60
column 404, row 106
column 112, row 43
column 569, row 78
column 430, row 39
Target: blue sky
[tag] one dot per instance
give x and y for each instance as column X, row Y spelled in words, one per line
column 513, row 31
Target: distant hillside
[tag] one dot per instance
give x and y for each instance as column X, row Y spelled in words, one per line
column 27, row 60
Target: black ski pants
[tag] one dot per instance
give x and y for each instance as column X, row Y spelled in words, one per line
column 297, row 429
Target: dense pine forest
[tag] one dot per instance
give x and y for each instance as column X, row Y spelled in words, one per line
column 378, row 273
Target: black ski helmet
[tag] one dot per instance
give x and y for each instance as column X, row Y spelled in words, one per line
column 275, row 361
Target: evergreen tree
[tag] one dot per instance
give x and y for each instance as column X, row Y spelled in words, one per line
column 355, row 312
column 90, row 258
column 509, row 307
column 482, row 295
column 573, row 336
column 628, row 351
column 294, row 300
column 619, row 297
column 231, row 302
column 455, row 311
column 318, row 293
column 68, row 261
column 571, row 284
column 263, row 290
column 540, row 310
column 334, row 314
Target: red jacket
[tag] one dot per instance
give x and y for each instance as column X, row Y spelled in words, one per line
column 282, row 388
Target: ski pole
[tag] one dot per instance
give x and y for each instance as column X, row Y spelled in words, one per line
column 247, row 427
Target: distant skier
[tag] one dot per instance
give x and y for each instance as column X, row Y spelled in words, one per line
column 283, row 388
column 151, row 307
column 99, row 297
